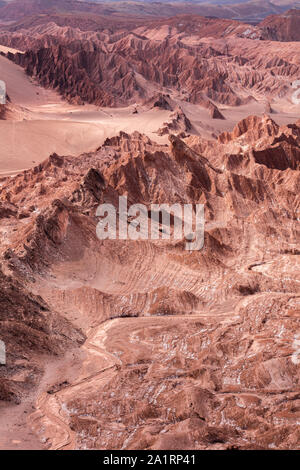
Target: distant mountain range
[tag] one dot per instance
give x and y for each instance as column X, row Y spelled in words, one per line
column 251, row 11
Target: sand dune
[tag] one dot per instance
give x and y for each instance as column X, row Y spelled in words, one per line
column 40, row 122
column 27, row 143
column 165, row 329
column 43, row 123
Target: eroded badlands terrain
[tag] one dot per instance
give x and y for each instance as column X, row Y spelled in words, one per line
column 194, row 350
column 70, row 86
column 142, row 344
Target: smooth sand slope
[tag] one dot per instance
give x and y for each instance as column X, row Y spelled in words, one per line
column 40, row 122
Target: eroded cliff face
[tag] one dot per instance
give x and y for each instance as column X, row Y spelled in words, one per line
column 184, row 350
column 126, row 68
column 282, row 27
column 2, row 111
column 31, row 331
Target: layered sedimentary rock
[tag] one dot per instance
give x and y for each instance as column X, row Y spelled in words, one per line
column 184, row 349
column 111, row 75
column 207, row 61
column 178, row 123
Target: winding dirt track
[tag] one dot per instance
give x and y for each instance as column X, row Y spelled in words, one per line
column 50, row 406
column 51, row 416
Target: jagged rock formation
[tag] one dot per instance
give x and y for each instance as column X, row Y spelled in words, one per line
column 2, row 111
column 254, row 139
column 214, row 111
column 268, row 108
column 7, row 109
column 160, row 101
column 93, row 77
column 179, row 123
column 197, row 350
column 129, row 67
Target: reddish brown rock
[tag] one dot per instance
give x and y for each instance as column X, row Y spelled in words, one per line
column 197, row 350
column 285, row 27
column 178, row 123
column 174, row 349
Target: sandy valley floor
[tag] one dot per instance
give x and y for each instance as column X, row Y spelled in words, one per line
column 41, row 122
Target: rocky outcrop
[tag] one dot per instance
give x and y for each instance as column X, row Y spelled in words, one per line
column 215, row 113
column 127, row 68
column 15, row 11
column 2, row 111
column 200, row 349
column 178, row 123
column 92, row 77
column 254, row 140
column 182, row 350
column 251, row 129
column 160, row 101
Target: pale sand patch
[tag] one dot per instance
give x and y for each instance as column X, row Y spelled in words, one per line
column 21, row 89
column 27, row 143
column 41, row 123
